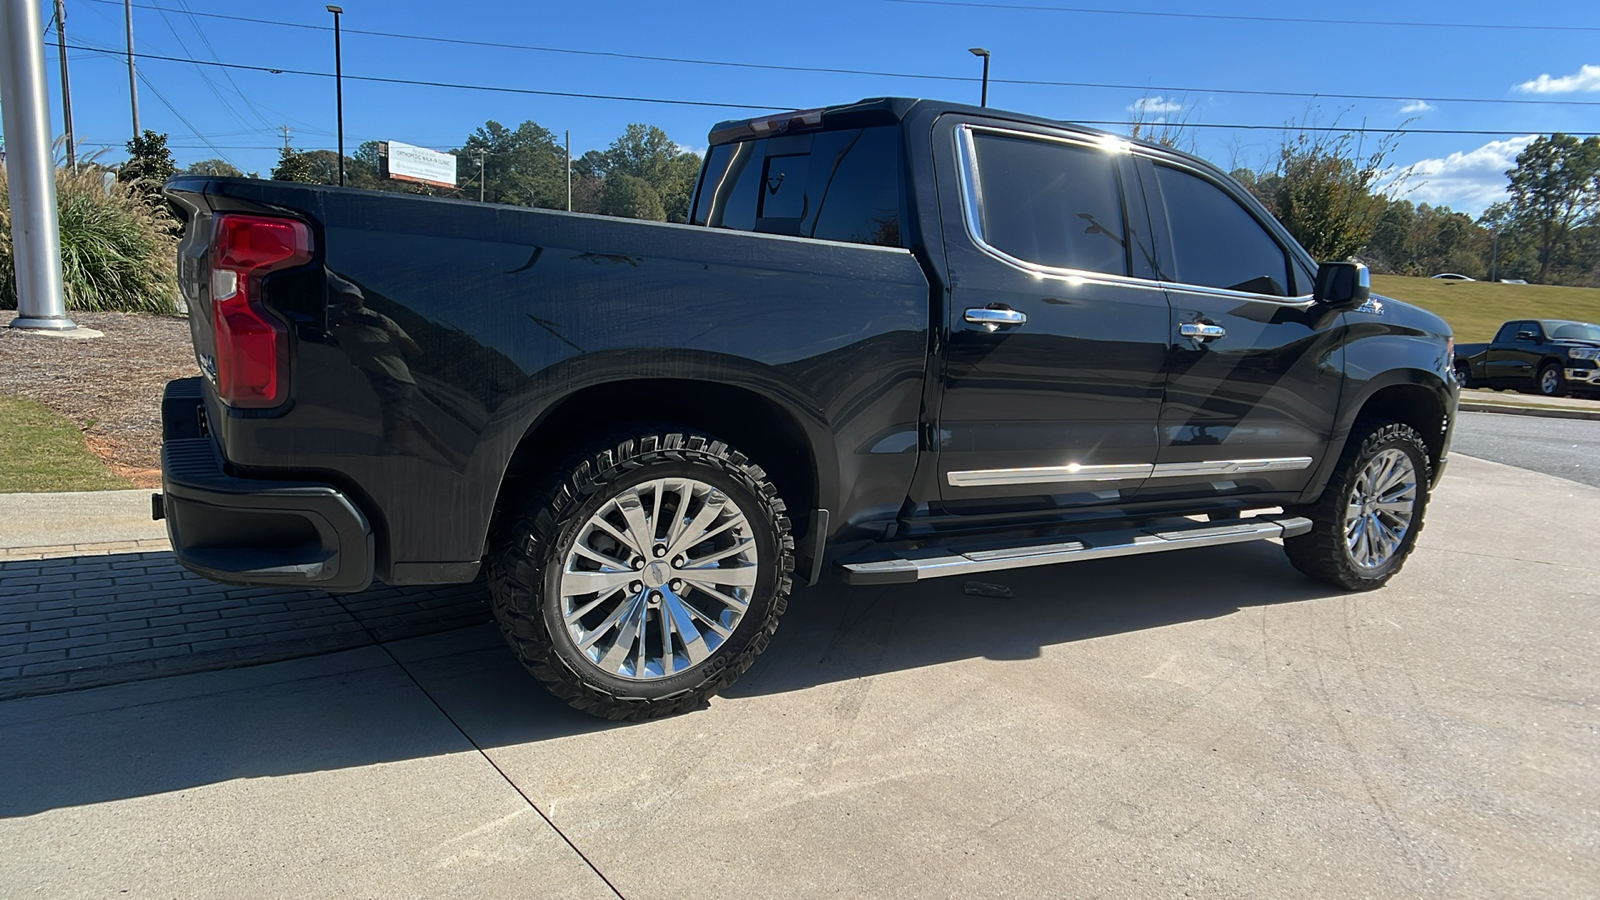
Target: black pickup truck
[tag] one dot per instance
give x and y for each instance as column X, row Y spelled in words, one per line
column 1546, row 356
column 898, row 340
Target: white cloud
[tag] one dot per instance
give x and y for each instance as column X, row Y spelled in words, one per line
column 1464, row 181
column 1586, row 79
column 1418, row 106
column 1156, row 106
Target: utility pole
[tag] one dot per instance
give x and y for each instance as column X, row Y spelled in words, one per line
column 285, row 129
column 133, row 81
column 338, row 86
column 66, row 85
column 569, row 170
column 481, row 156
column 31, row 172
column 1494, row 258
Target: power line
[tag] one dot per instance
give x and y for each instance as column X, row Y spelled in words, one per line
column 1289, row 20
column 923, row 76
column 747, row 106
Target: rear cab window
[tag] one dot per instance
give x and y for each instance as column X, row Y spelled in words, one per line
column 841, row 185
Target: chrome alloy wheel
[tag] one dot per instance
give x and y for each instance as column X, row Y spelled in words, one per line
column 1549, row 380
column 658, row 578
column 1379, row 510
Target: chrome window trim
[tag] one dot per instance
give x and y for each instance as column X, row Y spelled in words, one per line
column 1076, row 472
column 972, row 213
column 972, row 206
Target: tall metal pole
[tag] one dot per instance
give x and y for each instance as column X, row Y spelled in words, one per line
column 66, row 85
column 338, row 86
column 1494, row 259
column 30, row 170
column 133, row 81
column 569, row 170
column 979, row 51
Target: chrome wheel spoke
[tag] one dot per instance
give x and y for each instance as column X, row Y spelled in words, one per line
column 628, row 609
column 1379, row 510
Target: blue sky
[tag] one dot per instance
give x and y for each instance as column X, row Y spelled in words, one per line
column 1202, row 57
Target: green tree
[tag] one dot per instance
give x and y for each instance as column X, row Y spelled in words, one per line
column 1322, row 187
column 1554, row 188
column 631, row 197
column 524, row 166
column 149, row 165
column 645, row 151
column 219, row 167
column 293, row 166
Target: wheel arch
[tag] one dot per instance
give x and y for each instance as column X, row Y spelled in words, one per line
column 1419, row 398
column 771, row 432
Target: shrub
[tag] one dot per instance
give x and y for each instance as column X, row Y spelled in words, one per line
column 117, row 251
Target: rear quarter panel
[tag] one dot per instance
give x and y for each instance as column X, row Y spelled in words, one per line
column 505, row 311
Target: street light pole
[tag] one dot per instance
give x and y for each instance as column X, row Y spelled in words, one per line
column 979, row 51
column 133, row 81
column 338, row 86
column 66, row 85
column 30, row 171
column 569, row 170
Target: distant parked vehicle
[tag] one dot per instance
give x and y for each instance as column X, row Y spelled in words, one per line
column 1545, row 356
column 1451, row 276
column 1513, row 281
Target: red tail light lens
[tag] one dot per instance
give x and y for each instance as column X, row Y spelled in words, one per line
column 251, row 344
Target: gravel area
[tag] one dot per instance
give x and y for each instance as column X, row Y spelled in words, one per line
column 110, row 386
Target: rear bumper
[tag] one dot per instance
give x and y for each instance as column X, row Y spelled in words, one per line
column 253, row 531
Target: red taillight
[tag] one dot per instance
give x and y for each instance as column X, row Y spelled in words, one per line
column 251, row 352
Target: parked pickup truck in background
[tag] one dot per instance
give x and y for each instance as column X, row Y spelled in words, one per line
column 1545, row 356
column 898, row 340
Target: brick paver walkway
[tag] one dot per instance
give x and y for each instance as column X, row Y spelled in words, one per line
column 115, row 612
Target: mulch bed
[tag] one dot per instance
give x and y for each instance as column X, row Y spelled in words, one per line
column 110, row 386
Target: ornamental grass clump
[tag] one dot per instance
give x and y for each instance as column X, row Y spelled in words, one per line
column 118, row 251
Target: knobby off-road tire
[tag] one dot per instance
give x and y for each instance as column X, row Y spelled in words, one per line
column 1363, row 498
column 585, row 525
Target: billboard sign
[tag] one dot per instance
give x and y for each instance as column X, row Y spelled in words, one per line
column 409, row 163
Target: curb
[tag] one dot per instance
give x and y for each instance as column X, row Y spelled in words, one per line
column 1546, row 412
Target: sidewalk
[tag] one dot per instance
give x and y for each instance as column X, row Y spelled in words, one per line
column 1480, row 400
column 90, row 595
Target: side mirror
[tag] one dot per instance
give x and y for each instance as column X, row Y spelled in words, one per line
column 1342, row 285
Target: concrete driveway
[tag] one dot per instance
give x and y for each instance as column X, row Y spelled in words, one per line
column 1204, row 723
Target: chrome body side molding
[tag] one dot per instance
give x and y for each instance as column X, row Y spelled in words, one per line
column 1075, row 472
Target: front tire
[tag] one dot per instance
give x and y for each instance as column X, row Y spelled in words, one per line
column 1367, row 520
column 647, row 577
column 1552, row 381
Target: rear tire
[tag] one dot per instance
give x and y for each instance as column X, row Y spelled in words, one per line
column 1464, row 375
column 647, row 577
column 1367, row 520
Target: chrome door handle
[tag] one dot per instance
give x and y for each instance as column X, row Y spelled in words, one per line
column 1202, row 332
column 996, row 318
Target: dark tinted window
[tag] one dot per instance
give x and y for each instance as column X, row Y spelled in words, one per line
column 835, row 185
column 1507, row 333
column 1050, row 203
column 1215, row 242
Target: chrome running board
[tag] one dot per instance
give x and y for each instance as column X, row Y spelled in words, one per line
column 1175, row 534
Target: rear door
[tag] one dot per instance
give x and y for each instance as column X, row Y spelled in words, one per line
column 1053, row 363
column 1254, row 366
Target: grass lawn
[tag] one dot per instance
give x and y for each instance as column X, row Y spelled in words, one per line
column 1476, row 309
column 44, row 452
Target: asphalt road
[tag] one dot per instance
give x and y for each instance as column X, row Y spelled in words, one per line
column 1565, row 448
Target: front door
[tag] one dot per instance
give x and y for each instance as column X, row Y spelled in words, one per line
column 1254, row 369
column 1054, row 364
column 1513, row 357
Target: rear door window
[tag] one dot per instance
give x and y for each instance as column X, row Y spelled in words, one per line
column 1215, row 242
column 1051, row 203
column 834, row 185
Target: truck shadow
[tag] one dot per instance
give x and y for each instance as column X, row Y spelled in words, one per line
column 357, row 708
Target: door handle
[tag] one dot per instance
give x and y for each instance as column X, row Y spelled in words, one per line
column 996, row 318
column 1202, row 332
